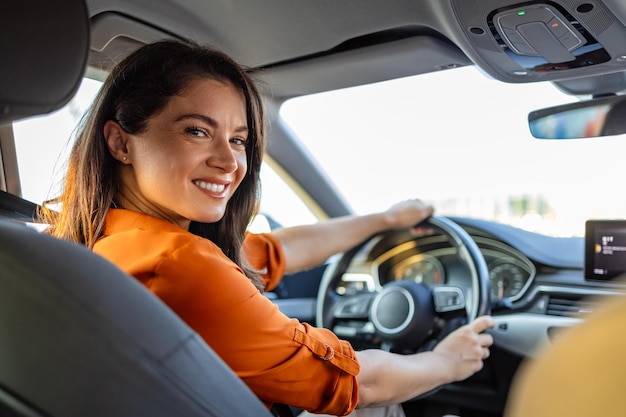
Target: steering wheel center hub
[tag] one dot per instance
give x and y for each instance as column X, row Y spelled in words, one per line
column 393, row 310
column 403, row 314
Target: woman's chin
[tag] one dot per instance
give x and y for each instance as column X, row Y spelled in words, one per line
column 212, row 217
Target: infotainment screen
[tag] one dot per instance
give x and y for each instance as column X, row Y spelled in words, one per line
column 605, row 249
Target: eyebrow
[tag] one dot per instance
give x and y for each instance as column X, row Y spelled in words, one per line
column 210, row 121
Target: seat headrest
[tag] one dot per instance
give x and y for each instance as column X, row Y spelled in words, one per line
column 43, row 52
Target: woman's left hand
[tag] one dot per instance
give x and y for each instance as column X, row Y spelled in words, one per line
column 408, row 213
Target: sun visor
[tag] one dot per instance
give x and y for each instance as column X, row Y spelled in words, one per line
column 113, row 36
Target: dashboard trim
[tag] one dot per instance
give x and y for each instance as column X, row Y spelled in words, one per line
column 554, row 289
column 527, row 334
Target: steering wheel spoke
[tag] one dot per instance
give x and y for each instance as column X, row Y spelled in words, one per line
column 449, row 300
column 354, row 308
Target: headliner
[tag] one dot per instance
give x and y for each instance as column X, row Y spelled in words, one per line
column 297, row 43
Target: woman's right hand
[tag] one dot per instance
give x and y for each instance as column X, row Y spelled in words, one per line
column 390, row 378
column 465, row 349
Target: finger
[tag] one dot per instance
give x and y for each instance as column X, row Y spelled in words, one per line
column 486, row 353
column 485, row 339
column 482, row 323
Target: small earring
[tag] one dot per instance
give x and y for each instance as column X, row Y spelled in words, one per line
column 124, row 158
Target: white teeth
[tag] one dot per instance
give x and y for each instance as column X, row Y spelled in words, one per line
column 216, row 188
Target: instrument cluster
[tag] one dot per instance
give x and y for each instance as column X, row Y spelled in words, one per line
column 510, row 272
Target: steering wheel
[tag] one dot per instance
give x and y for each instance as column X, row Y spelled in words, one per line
column 407, row 316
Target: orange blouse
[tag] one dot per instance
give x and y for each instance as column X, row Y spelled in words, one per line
column 279, row 358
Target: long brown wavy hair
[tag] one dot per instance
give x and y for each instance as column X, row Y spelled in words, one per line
column 139, row 87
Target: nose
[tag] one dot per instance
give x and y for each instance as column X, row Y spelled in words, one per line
column 221, row 155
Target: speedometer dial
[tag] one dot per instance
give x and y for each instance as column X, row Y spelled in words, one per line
column 507, row 280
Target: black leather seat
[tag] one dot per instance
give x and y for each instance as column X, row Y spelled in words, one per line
column 77, row 336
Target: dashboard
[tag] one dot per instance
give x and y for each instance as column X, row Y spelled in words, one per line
column 537, row 282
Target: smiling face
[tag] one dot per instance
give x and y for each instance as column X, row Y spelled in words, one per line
column 191, row 157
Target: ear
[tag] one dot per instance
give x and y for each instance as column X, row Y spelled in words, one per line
column 116, row 140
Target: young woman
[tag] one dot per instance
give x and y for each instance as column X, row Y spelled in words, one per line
column 163, row 180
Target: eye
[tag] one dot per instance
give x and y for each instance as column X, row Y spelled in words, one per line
column 196, row 131
column 239, row 141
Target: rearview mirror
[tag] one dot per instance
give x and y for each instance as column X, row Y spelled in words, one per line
column 586, row 119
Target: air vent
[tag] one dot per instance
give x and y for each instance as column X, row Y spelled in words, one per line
column 570, row 305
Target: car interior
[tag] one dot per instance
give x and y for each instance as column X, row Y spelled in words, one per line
column 81, row 338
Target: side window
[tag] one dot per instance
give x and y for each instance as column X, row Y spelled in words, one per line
column 280, row 204
column 41, row 162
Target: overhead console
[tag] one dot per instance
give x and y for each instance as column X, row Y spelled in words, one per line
column 542, row 40
column 543, row 32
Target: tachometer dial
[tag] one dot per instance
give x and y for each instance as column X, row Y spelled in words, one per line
column 421, row 269
column 507, row 280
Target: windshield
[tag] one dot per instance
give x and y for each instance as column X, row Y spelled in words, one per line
column 460, row 141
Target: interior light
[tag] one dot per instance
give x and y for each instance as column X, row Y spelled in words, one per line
column 521, row 13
